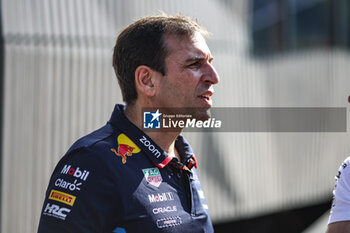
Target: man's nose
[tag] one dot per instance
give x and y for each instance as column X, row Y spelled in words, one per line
column 211, row 75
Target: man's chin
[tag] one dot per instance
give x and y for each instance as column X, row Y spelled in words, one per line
column 201, row 114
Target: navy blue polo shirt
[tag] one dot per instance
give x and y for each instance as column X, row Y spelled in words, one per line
column 117, row 179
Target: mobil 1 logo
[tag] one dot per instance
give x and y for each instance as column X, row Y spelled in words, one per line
column 76, row 172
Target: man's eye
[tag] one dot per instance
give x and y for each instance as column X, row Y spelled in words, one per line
column 193, row 65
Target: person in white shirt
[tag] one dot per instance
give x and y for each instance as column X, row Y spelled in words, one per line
column 339, row 220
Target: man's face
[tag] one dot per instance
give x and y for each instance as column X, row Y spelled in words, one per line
column 190, row 75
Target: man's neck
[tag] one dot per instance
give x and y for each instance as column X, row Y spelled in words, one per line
column 166, row 140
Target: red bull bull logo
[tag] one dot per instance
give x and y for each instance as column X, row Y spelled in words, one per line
column 126, row 147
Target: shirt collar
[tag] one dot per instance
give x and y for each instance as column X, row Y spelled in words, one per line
column 184, row 149
column 156, row 154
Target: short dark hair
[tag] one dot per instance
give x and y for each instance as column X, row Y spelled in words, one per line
column 142, row 43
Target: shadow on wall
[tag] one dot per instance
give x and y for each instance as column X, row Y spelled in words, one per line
column 288, row 221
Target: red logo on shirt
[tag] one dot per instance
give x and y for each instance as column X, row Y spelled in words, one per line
column 126, row 147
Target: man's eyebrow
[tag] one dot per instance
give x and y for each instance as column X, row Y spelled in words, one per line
column 199, row 58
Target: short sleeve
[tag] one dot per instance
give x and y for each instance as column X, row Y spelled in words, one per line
column 81, row 196
column 340, row 210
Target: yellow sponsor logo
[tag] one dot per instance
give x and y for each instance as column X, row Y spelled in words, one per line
column 126, row 147
column 62, row 197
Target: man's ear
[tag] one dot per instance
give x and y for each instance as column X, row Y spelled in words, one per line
column 144, row 80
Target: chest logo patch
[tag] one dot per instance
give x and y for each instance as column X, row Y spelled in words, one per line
column 126, row 147
column 153, row 176
column 62, row 197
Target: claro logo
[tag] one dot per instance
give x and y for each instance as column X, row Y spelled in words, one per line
column 76, row 172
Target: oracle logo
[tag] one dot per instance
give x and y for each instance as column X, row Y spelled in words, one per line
column 167, row 209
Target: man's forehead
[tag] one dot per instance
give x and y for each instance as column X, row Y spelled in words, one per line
column 193, row 47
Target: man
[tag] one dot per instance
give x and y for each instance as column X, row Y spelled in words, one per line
column 121, row 178
column 339, row 221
